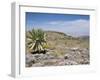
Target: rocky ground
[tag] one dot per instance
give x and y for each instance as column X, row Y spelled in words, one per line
column 73, row 56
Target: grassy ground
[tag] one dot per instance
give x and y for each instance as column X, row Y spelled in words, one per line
column 58, row 42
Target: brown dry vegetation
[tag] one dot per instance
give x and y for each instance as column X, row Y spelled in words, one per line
column 62, row 50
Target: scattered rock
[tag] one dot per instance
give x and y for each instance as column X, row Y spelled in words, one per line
column 29, row 58
column 70, row 62
column 66, row 57
column 73, row 56
column 37, row 64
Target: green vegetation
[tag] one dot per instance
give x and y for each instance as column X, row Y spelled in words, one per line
column 35, row 40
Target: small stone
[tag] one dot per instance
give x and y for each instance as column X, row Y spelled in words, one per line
column 66, row 57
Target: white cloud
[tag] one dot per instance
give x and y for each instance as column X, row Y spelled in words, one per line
column 75, row 28
column 78, row 23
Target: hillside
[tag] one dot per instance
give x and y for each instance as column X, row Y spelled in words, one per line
column 63, row 40
column 62, row 50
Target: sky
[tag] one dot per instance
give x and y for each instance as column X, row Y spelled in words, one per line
column 71, row 24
